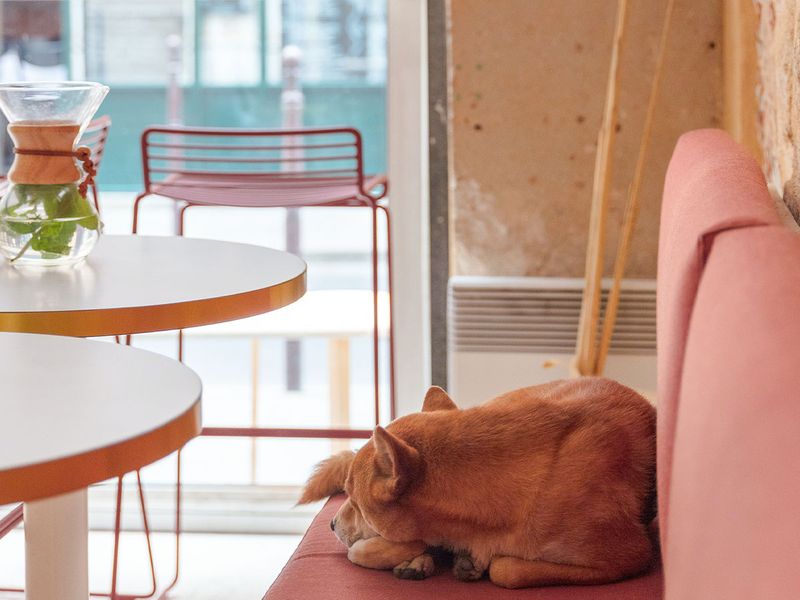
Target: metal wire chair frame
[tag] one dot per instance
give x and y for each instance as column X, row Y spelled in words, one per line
column 362, row 196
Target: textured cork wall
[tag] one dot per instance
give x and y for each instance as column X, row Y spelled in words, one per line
column 528, row 84
column 778, row 43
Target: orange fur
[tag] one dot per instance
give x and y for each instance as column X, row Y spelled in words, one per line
column 551, row 484
column 366, row 548
column 328, row 477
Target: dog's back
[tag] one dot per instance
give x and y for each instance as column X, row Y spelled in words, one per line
column 564, row 470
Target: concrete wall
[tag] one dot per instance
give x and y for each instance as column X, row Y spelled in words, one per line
column 527, row 94
column 779, row 95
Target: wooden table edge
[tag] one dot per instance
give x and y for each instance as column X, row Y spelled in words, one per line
column 70, row 473
column 161, row 317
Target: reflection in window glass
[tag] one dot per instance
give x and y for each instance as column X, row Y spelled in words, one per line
column 32, row 47
column 342, row 40
column 229, row 42
column 126, row 43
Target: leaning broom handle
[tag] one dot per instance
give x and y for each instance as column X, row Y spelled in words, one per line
column 632, row 208
column 590, row 306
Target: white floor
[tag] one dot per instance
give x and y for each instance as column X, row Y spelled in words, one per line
column 213, row 566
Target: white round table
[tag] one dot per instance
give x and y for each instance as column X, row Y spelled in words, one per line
column 75, row 412
column 136, row 284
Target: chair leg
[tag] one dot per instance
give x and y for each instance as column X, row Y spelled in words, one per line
column 113, row 595
column 11, row 520
column 389, row 277
column 117, row 526
column 178, row 500
column 136, row 203
column 178, row 497
column 375, row 337
column 8, row 524
column 146, row 526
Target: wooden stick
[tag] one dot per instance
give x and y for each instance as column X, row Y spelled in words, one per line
column 632, row 207
column 740, row 73
column 586, row 349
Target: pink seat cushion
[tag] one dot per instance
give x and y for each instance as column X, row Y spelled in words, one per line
column 712, row 185
column 735, row 499
column 319, row 570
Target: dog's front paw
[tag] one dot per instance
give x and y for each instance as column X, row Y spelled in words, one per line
column 417, row 568
column 466, row 568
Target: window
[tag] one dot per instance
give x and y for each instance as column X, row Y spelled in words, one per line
column 229, row 61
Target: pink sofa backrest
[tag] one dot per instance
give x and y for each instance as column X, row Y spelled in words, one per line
column 729, row 380
column 734, row 524
column 712, row 185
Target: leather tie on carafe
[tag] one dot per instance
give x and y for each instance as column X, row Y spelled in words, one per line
column 82, row 153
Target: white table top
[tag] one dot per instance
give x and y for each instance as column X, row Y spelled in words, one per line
column 136, row 284
column 74, row 412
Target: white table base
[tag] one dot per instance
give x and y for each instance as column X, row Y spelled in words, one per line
column 56, row 548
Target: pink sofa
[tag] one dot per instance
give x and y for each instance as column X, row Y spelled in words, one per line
column 729, row 409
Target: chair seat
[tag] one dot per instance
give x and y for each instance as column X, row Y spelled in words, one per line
column 261, row 190
column 319, row 570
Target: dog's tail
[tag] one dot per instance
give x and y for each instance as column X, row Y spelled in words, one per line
column 328, row 477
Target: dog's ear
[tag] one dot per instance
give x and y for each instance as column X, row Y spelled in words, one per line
column 437, row 399
column 396, row 461
column 328, row 477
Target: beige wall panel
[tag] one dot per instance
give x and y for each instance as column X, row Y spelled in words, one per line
column 528, row 82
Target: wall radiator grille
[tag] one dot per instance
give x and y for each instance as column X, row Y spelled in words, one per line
column 540, row 314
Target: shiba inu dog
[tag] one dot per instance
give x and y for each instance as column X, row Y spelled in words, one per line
column 547, row 485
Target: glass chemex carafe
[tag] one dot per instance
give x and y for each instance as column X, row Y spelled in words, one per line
column 46, row 218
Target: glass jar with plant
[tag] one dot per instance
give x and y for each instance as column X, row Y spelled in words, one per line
column 46, row 218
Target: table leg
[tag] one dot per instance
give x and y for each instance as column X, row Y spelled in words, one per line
column 56, row 548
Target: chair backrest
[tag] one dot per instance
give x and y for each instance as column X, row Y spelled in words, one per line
column 712, row 185
column 95, row 137
column 188, row 158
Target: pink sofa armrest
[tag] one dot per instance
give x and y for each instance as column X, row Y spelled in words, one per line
column 712, row 185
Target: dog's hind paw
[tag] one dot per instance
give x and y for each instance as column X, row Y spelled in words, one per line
column 417, row 568
column 465, row 568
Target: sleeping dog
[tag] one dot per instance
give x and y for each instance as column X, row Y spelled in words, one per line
column 547, row 485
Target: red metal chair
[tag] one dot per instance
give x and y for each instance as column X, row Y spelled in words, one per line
column 95, row 137
column 265, row 168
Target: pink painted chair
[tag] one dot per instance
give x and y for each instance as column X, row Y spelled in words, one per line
column 266, row 168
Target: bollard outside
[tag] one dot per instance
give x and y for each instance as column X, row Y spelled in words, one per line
column 292, row 103
column 174, row 107
column 292, row 106
column 174, row 90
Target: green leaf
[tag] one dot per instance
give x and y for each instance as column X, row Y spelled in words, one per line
column 65, row 208
column 54, row 237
